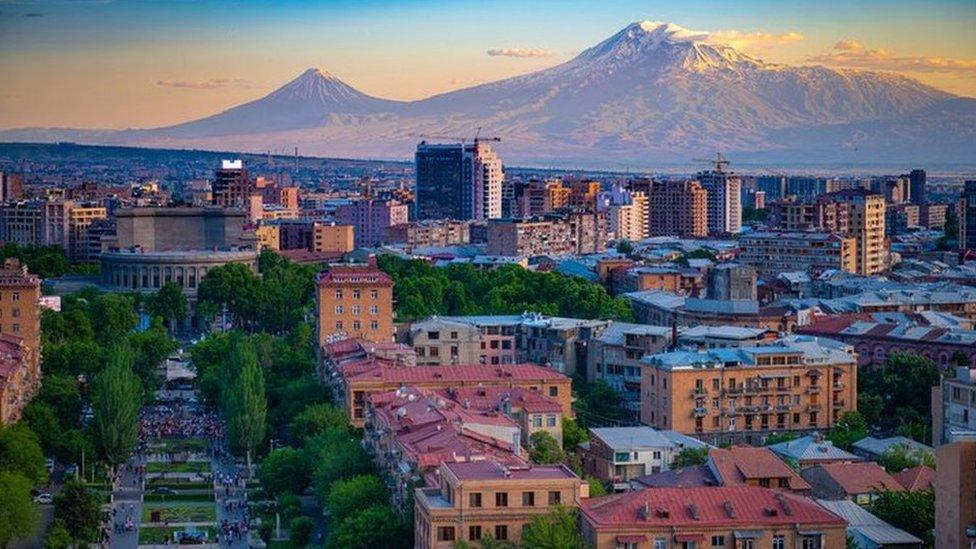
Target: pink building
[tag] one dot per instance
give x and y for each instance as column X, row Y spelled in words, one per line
column 372, row 218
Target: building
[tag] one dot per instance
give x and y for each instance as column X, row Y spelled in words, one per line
column 860, row 482
column 614, row 357
column 753, row 466
column 867, row 531
column 11, row 186
column 724, row 193
column 667, row 277
column 866, row 223
column 458, row 181
column 354, row 300
column 626, row 213
column 20, row 339
column 798, row 383
column 372, row 218
column 232, row 186
column 22, row 222
column 917, row 187
column 967, row 217
column 619, row 454
column 955, row 486
column 932, row 216
column 734, row 517
column 268, row 237
column 477, row 499
column 333, row 238
column 432, row 233
column 902, row 218
column 812, row 450
column 812, row 214
column 954, row 406
column 530, row 237
column 872, row 448
column 440, row 341
column 773, row 253
column 153, row 246
column 559, row 343
column 678, row 208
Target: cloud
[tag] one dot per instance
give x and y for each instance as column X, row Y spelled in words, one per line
column 851, row 54
column 211, row 84
column 754, row 41
column 519, row 52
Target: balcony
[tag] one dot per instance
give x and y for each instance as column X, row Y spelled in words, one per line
column 838, row 385
column 784, row 407
column 737, row 390
column 813, row 390
column 699, row 392
column 814, row 407
column 700, row 412
column 839, row 403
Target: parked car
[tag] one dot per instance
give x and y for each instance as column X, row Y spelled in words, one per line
column 44, row 499
column 50, row 465
column 71, row 470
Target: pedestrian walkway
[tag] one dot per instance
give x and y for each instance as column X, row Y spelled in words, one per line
column 232, row 514
column 126, row 507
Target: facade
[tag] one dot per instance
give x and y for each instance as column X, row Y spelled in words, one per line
column 792, row 214
column 774, row 253
column 734, row 517
column 20, row 339
column 866, row 223
column 619, row 454
column 677, row 208
column 614, row 357
column 530, row 237
column 932, row 216
column 354, row 300
column 477, row 499
column 332, row 238
column 458, row 181
column 434, row 233
column 11, row 186
column 626, row 213
column 724, row 192
column 797, row 384
column 916, row 179
column 372, row 218
column 232, row 186
column 954, row 406
column 440, row 341
column 955, row 485
column 967, row 217
column 860, row 482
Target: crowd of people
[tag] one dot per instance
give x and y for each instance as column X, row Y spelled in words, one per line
column 178, row 422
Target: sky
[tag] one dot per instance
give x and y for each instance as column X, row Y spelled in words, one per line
column 146, row 63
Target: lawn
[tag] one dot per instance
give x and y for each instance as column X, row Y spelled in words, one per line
column 177, row 445
column 180, row 512
column 159, row 534
column 178, row 497
column 178, row 484
column 187, row 467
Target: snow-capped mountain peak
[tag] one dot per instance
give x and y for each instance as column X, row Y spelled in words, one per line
column 659, row 31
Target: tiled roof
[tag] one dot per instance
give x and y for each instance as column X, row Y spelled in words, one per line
column 860, row 478
column 810, row 448
column 727, row 506
column 493, row 398
column 916, row 479
column 471, row 373
column 354, row 275
column 686, row 477
column 735, row 465
column 868, row 525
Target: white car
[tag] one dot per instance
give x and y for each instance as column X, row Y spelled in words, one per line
column 44, row 499
column 50, row 465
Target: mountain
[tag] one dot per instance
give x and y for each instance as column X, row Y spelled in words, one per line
column 652, row 93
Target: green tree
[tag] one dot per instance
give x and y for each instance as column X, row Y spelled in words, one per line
column 850, row 428
column 20, row 452
column 300, row 531
column 544, row 448
column 169, row 303
column 689, row 457
column 18, row 515
column 776, row 438
column 700, row 253
column 79, row 509
column 245, row 405
column 597, row 403
column 375, row 526
column 597, row 488
column 573, row 434
column 625, row 247
column 284, row 470
column 554, row 530
column 316, row 419
column 913, row 512
column 115, row 405
column 335, row 455
column 114, row 316
column 58, row 536
column 346, row 496
column 901, row 456
column 871, row 406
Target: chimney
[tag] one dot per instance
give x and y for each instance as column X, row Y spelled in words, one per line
column 516, row 442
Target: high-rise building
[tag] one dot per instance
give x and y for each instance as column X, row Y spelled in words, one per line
column 372, row 218
column 677, row 208
column 11, row 186
column 967, row 217
column 458, row 181
column 866, row 223
column 724, row 200
column 232, row 186
column 626, row 213
column 916, row 180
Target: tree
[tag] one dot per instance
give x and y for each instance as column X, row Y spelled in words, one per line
column 553, row 530
column 284, row 470
column 870, row 405
column 58, row 536
column 169, row 303
column 375, row 526
column 573, row 434
column 597, row 403
column 901, row 456
column 18, row 515
column 114, row 315
column 115, row 404
column 346, row 496
column 689, row 457
column 544, row 448
column 913, row 512
column 245, row 405
column 625, row 247
column 20, row 452
column 597, row 488
column 316, row 419
column 850, row 428
column 700, row 253
column 79, row 509
column 335, row 455
column 776, row 438
column 300, row 531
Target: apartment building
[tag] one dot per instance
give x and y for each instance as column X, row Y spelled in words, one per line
column 477, row 499
column 774, row 252
column 232, row 187
column 955, row 488
column 954, row 406
column 559, row 343
column 809, row 214
column 798, row 383
column 430, row 233
column 371, row 219
column 530, row 237
column 724, row 198
column 866, row 223
column 615, row 357
column 20, row 339
column 626, row 213
column 669, row 278
column 354, row 300
column 458, row 181
column 619, row 454
column 677, row 208
column 333, row 238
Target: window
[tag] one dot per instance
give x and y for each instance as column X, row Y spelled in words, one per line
column 339, row 325
column 356, row 325
column 715, row 384
column 374, row 294
column 474, row 533
column 374, row 310
column 748, row 544
column 373, row 325
column 355, row 310
column 550, row 421
column 501, row 531
column 16, row 296
column 779, row 542
column 528, row 499
column 474, row 499
column 553, row 391
column 445, row 533
column 660, row 543
column 536, row 420
column 501, row 499
column 811, row 542
column 555, row 496
column 338, row 309
column 16, row 328
column 16, row 312
column 453, row 334
column 433, row 335
column 338, row 294
column 718, row 541
column 355, row 294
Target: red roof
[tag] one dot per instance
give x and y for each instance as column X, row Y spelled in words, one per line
column 354, row 275
column 860, row 478
column 472, row 373
column 738, row 464
column 916, row 479
column 726, row 506
column 492, row 398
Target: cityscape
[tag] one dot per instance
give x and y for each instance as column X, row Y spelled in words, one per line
column 604, row 282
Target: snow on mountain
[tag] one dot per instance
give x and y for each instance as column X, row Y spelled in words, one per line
column 652, row 92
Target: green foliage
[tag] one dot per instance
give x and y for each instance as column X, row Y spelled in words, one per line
column 376, row 526
column 776, row 438
column 284, row 470
column 597, row 404
column 44, row 261
column 913, row 512
column 901, row 457
column 898, row 383
column 335, row 455
column 114, row 315
column 422, row 290
column 597, row 488
column 244, row 402
column 300, row 531
column 316, row 419
column 346, row 496
column 115, row 404
column 573, row 434
column 169, row 303
column 289, row 506
column 689, row 457
column 18, row 515
column 750, row 214
column 544, row 448
column 850, row 428
column 700, row 253
column 625, row 247
column 553, row 530
column 79, row 509
column 20, row 452
column 871, row 406
column 58, row 536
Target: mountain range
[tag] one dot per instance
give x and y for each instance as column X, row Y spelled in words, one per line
column 653, row 93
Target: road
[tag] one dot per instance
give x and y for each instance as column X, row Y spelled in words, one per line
column 127, row 504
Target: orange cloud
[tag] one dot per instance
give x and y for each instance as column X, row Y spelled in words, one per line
column 850, row 53
column 754, row 41
column 519, row 52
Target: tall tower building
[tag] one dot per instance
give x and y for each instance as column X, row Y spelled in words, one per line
column 458, row 181
column 724, row 199
column 866, row 223
column 967, row 217
column 231, row 186
column 677, row 208
column 916, row 191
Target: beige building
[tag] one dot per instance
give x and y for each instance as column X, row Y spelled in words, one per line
column 677, row 208
column 431, row 232
column 629, row 221
column 477, row 499
column 333, row 238
column 866, row 223
column 354, row 301
column 798, row 383
column 774, row 253
column 954, row 406
column 268, row 237
column 529, row 237
column 955, row 495
column 20, row 339
column 440, row 341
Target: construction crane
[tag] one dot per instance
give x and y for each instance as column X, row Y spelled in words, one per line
column 718, row 161
column 477, row 137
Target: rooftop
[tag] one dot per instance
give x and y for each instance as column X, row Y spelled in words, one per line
column 868, row 525
column 643, row 438
column 878, row 446
column 735, row 465
column 811, row 448
column 860, row 478
column 492, row 470
column 472, row 373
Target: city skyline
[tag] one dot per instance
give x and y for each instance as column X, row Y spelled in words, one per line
column 65, row 65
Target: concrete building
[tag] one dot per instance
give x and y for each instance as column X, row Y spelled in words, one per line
column 724, row 193
column 559, row 343
column 530, row 237
column 812, row 214
column 372, row 218
column 458, row 181
column 434, row 233
column 619, row 454
column 441, row 341
column 20, row 339
column 477, row 499
column 955, row 486
column 232, row 186
column 867, row 531
column 954, row 406
column 967, row 217
column 11, row 186
column 626, row 212
column 917, row 187
column 798, row 384
column 677, row 208
column 901, row 218
column 932, row 216
column 866, row 223
column 333, row 238
column 812, row 450
column 354, row 300
column 614, row 357
column 773, row 253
